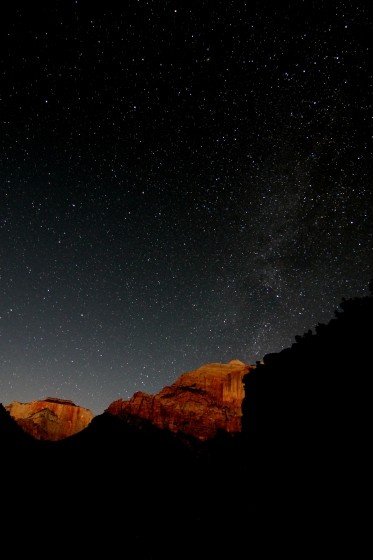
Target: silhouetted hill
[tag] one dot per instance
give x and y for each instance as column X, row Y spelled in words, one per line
column 294, row 475
column 314, row 392
column 307, row 420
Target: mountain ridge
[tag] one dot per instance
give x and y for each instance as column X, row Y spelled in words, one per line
column 199, row 403
column 294, row 474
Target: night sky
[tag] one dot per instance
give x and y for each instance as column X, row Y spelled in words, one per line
column 180, row 183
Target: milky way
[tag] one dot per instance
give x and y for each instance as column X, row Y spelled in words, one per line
column 180, row 183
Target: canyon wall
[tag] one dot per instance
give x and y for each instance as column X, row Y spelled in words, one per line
column 200, row 402
column 50, row 419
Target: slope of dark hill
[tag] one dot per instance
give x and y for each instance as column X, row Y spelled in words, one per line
column 126, row 483
column 131, row 441
column 12, row 437
column 307, row 421
column 315, row 391
column 294, row 477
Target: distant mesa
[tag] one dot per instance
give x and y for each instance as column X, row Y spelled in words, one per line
column 200, row 403
column 50, row 419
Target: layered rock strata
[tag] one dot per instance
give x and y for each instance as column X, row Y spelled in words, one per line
column 200, row 402
column 50, row 419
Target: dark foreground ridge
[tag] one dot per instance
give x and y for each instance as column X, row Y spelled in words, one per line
column 293, row 478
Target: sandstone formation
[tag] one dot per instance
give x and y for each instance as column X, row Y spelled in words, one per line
column 200, row 403
column 50, row 419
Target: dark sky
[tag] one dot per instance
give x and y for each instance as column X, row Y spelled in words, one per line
column 180, row 183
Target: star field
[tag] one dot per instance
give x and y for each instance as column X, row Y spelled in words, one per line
column 180, row 183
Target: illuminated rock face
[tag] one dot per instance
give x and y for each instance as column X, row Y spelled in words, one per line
column 50, row 419
column 199, row 403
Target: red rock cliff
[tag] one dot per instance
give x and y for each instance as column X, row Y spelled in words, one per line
column 50, row 419
column 199, row 403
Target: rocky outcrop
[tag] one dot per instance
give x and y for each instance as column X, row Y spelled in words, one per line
column 50, row 419
column 200, row 403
